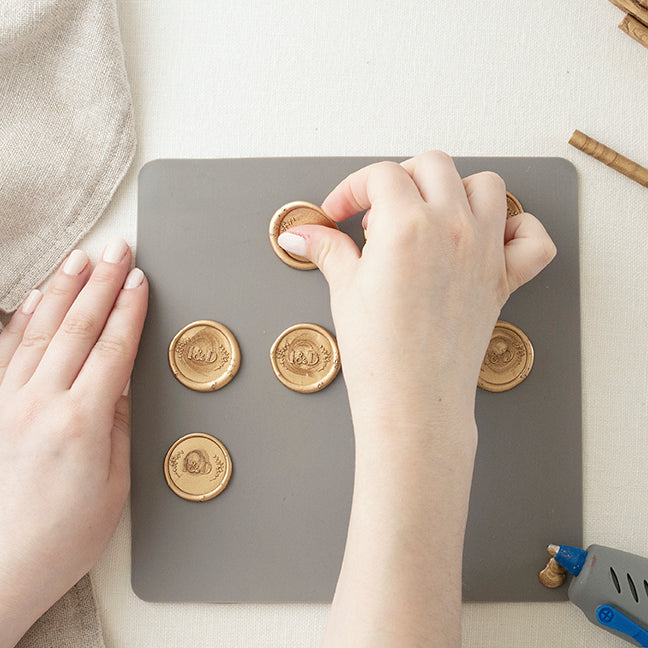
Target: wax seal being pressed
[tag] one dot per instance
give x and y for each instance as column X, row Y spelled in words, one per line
column 305, row 358
column 197, row 467
column 508, row 359
column 204, row 355
column 291, row 215
column 513, row 205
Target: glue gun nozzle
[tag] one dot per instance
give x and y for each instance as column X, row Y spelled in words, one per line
column 553, row 549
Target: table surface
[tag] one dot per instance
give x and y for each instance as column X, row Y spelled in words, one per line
column 252, row 79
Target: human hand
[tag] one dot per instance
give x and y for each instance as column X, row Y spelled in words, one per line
column 415, row 310
column 413, row 315
column 64, row 429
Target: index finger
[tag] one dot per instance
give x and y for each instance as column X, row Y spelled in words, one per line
column 379, row 182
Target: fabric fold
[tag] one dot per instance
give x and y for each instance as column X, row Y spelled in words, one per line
column 67, row 132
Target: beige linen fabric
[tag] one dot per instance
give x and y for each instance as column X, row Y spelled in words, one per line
column 70, row 623
column 66, row 132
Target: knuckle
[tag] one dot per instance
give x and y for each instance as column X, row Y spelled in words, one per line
column 36, row 339
column 324, row 253
column 550, row 251
column 112, row 345
column 104, row 275
column 390, row 168
column 56, row 290
column 437, row 156
column 78, row 326
column 494, row 179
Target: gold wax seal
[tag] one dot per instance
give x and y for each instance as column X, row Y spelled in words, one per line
column 513, row 205
column 553, row 575
column 291, row 215
column 197, row 467
column 305, row 358
column 508, row 359
column 204, row 355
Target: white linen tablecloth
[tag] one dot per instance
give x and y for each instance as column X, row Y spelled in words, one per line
column 377, row 77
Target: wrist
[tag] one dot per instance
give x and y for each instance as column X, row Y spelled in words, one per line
column 440, row 415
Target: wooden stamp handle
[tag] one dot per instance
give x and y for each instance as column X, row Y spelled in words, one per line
column 635, row 29
column 610, row 157
column 636, row 9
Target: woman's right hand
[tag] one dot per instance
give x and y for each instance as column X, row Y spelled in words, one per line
column 415, row 310
column 413, row 314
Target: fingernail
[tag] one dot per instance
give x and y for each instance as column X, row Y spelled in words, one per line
column 75, row 263
column 134, row 279
column 115, row 251
column 33, row 299
column 127, row 388
column 293, row 243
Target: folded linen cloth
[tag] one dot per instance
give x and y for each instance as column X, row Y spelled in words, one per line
column 66, row 132
column 70, row 623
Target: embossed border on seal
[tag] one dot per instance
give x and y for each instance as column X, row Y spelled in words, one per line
column 275, row 226
column 327, row 379
column 226, row 377
column 528, row 362
column 206, row 496
column 516, row 208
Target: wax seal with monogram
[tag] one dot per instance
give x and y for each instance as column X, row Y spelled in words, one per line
column 513, row 205
column 197, row 467
column 508, row 359
column 305, row 358
column 293, row 214
column 204, row 355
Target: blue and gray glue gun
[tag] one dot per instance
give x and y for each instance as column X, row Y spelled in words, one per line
column 610, row 587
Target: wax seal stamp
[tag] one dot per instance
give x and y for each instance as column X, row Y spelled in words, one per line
column 513, row 205
column 292, row 215
column 508, row 359
column 305, row 358
column 197, row 467
column 204, row 355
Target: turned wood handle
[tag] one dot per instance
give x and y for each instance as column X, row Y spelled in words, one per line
column 610, row 157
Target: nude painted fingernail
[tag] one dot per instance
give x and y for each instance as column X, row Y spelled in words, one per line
column 292, row 243
column 75, row 263
column 115, row 251
column 134, row 279
column 127, row 388
column 33, row 299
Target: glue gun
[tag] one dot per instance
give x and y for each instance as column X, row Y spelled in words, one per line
column 610, row 587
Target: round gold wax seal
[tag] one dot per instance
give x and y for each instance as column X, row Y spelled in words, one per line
column 296, row 213
column 508, row 359
column 305, row 358
column 204, row 355
column 197, row 467
column 513, row 205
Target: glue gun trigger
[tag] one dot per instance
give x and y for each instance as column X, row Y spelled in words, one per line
column 613, row 619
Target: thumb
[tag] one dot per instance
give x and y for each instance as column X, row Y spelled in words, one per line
column 527, row 249
column 332, row 251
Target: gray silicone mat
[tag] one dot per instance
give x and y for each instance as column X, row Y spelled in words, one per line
column 277, row 532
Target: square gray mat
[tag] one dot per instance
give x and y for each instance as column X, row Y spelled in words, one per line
column 277, row 532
